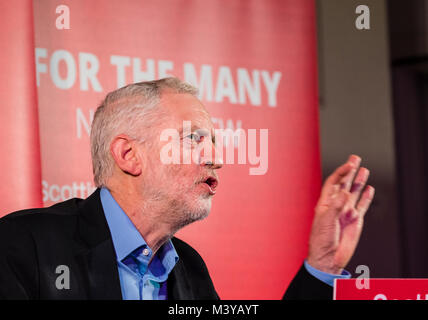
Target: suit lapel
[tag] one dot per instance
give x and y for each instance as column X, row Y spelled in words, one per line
column 100, row 274
column 94, row 252
column 179, row 287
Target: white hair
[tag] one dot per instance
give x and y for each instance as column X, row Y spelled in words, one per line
column 130, row 110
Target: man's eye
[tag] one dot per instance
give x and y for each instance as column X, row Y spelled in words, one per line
column 195, row 137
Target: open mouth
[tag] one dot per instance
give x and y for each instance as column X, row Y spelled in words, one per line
column 211, row 183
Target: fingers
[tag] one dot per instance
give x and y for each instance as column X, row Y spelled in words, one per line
column 340, row 201
column 343, row 207
column 346, row 181
column 358, row 185
column 339, row 177
column 366, row 200
column 339, row 173
column 343, row 188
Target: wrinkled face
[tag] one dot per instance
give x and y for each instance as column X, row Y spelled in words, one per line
column 185, row 188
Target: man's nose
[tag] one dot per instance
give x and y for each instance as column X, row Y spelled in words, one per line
column 214, row 161
column 217, row 164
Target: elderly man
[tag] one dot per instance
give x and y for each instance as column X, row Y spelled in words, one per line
column 119, row 243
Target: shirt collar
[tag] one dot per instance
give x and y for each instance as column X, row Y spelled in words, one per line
column 126, row 238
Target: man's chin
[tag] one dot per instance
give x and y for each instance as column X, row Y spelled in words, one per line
column 203, row 210
column 196, row 213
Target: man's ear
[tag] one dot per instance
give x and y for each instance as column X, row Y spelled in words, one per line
column 124, row 152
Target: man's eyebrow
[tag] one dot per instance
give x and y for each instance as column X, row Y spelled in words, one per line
column 192, row 129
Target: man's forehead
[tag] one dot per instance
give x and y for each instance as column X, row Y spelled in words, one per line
column 185, row 107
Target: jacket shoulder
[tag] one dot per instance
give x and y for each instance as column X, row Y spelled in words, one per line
column 49, row 224
column 37, row 216
column 62, row 208
column 28, row 238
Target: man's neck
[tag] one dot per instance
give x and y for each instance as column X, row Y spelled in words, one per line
column 145, row 217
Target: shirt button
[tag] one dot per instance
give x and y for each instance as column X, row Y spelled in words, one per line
column 146, row 252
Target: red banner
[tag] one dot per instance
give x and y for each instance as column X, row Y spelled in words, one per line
column 381, row 289
column 255, row 65
column 19, row 127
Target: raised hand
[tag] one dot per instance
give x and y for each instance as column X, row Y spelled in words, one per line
column 339, row 216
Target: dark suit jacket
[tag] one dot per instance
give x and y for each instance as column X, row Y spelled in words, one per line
column 74, row 233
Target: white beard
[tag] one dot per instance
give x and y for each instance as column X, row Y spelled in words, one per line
column 177, row 212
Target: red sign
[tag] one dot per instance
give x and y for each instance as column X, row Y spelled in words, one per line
column 19, row 122
column 255, row 65
column 380, row 289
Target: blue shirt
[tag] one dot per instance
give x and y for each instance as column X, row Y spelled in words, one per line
column 139, row 280
column 324, row 276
